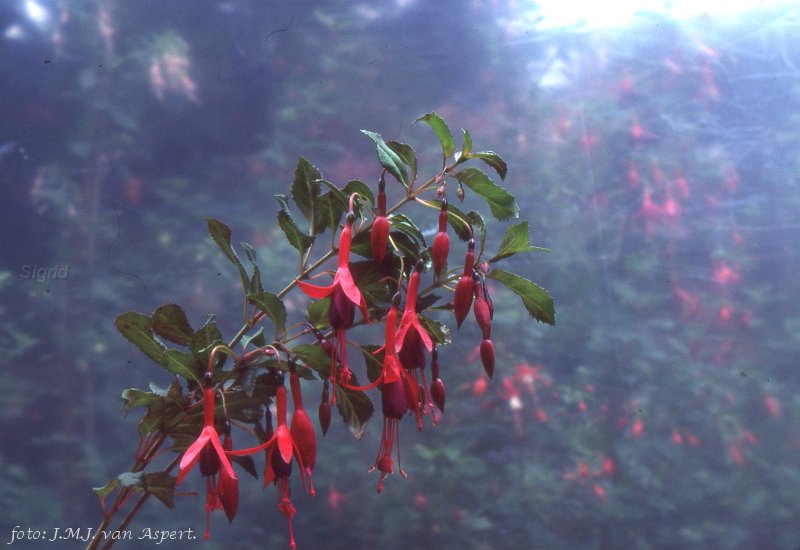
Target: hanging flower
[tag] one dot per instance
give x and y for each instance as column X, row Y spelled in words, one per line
column 399, row 392
column 345, row 296
column 413, row 340
column 222, row 485
column 410, row 327
column 343, row 289
column 280, row 449
column 302, row 431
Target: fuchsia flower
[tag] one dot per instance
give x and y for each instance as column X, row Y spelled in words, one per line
column 411, row 331
column 343, row 287
column 345, row 296
column 280, row 449
column 399, row 392
column 412, row 340
column 222, row 486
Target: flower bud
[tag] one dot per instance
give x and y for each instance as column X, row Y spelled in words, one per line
column 462, row 299
column 482, row 310
column 302, row 430
column 487, row 356
column 438, row 393
column 324, row 412
column 441, row 243
column 379, row 236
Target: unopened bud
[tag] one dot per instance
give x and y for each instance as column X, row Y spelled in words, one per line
column 438, row 393
column 487, row 356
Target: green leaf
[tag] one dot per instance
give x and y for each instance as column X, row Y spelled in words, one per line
column 305, row 190
column 206, row 338
column 255, row 280
column 318, row 312
column 135, row 397
column 272, row 307
column 138, row 329
column 221, row 234
column 170, row 322
column 297, row 239
column 536, row 299
column 466, row 146
column 257, row 339
column 407, row 154
column 373, row 360
column 439, row 126
column 355, row 408
column 515, row 240
column 331, row 210
column 246, row 463
column 161, row 485
column 438, row 330
column 388, row 158
column 502, row 204
column 314, row 357
column 105, row 490
column 363, row 190
column 183, row 364
column 402, row 223
column 153, row 418
column 492, row 159
column 371, row 280
column 283, row 200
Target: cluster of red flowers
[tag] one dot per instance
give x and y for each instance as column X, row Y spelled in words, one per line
column 402, row 381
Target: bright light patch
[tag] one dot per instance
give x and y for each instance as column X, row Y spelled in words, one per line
column 38, row 15
column 567, row 13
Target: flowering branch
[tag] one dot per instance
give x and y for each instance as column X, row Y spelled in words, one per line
column 396, row 260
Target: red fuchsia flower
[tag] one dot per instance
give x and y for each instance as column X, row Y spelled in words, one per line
column 441, row 243
column 280, row 449
column 345, row 296
column 410, row 327
column 399, row 392
column 302, row 431
column 462, row 298
column 216, row 488
column 379, row 237
column 222, row 486
column 413, row 340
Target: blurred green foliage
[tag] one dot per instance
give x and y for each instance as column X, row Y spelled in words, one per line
column 662, row 410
